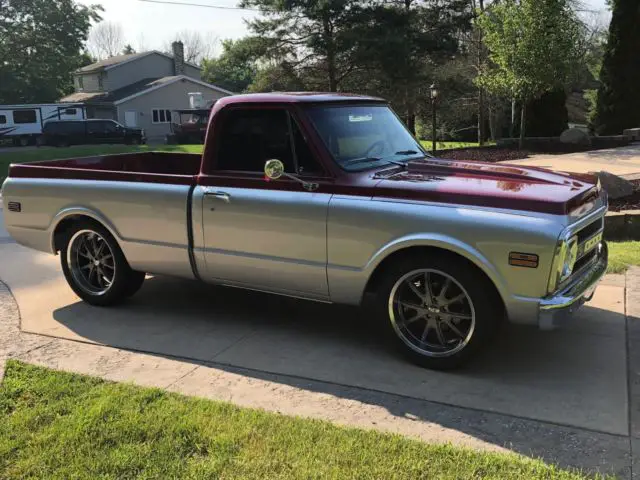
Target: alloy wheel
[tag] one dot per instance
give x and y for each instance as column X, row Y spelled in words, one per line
column 91, row 262
column 432, row 313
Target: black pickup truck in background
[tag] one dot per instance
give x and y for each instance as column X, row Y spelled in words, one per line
column 63, row 133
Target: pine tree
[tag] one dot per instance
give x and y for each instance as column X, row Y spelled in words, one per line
column 618, row 102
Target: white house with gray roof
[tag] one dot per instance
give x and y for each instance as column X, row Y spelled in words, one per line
column 141, row 89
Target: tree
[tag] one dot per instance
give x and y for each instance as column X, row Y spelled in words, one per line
column 106, row 40
column 41, row 43
column 312, row 38
column 128, row 49
column 407, row 42
column 197, row 46
column 618, row 101
column 533, row 48
column 235, row 69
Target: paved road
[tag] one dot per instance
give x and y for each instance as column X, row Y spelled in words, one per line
column 560, row 395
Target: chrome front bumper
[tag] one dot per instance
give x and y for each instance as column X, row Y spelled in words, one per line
column 559, row 307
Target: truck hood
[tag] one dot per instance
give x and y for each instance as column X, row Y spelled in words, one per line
column 490, row 185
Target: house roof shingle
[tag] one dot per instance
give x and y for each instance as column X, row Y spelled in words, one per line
column 109, row 62
column 129, row 90
column 118, row 59
column 119, row 94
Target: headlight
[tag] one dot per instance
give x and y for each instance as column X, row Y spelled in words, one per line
column 570, row 259
column 564, row 261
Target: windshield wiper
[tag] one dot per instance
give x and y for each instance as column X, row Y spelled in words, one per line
column 407, row 152
column 356, row 161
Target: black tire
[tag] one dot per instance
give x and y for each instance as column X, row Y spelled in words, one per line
column 124, row 281
column 135, row 283
column 484, row 308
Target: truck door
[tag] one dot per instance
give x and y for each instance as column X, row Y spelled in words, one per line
column 265, row 235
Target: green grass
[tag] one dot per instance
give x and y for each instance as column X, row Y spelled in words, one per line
column 447, row 145
column 58, row 425
column 53, row 153
column 622, row 255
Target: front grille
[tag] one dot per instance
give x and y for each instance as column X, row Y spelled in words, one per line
column 590, row 230
column 584, row 260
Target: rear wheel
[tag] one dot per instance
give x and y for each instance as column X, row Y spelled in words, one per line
column 95, row 267
column 439, row 310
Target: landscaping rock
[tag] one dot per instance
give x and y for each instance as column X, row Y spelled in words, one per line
column 575, row 136
column 616, row 187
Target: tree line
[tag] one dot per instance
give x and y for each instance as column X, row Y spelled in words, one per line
column 502, row 67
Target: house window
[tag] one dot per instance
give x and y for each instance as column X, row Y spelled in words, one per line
column 25, row 116
column 100, row 84
column 3, row 119
column 80, row 83
column 161, row 116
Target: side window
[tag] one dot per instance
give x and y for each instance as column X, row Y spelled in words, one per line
column 25, row 116
column 95, row 127
column 249, row 138
column 3, row 119
column 307, row 164
column 110, row 127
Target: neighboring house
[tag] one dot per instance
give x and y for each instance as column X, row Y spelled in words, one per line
column 141, row 89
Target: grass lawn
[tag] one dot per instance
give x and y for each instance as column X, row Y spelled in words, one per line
column 60, row 425
column 622, row 255
column 53, row 153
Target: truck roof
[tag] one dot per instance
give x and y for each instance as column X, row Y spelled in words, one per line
column 297, row 97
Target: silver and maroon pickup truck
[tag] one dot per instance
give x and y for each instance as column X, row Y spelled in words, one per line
column 325, row 197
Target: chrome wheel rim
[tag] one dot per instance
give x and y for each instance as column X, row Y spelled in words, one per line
column 91, row 262
column 432, row 313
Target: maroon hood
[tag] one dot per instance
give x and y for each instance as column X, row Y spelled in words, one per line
column 489, row 184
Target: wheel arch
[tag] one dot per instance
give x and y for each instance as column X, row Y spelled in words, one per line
column 70, row 216
column 413, row 246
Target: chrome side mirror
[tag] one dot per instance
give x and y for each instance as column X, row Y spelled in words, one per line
column 273, row 169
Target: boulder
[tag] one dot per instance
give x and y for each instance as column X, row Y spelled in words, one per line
column 575, row 136
column 616, row 187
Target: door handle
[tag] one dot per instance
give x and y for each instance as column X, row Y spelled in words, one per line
column 224, row 196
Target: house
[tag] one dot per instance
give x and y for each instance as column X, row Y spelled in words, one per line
column 141, row 89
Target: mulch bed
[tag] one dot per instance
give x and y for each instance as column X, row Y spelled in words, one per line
column 631, row 202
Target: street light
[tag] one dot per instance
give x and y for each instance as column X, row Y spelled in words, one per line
column 434, row 95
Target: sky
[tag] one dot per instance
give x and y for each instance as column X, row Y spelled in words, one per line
column 149, row 26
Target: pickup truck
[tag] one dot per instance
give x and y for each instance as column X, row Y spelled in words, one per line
column 325, row 197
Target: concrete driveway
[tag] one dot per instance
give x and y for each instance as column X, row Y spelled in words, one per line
column 575, row 377
column 621, row 161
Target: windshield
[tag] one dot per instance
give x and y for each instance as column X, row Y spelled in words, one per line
column 364, row 136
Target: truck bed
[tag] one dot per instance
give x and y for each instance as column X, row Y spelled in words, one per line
column 151, row 167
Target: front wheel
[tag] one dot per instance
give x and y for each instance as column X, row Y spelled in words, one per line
column 439, row 310
column 95, row 267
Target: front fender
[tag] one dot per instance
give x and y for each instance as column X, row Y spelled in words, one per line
column 79, row 211
column 446, row 243
column 348, row 285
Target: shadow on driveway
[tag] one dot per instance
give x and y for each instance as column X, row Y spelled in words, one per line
column 573, row 378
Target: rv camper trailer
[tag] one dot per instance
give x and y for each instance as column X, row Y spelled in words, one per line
column 21, row 125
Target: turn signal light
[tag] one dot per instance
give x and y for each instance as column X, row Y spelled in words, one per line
column 528, row 260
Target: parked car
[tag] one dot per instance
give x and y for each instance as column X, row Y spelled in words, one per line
column 62, row 133
column 325, row 197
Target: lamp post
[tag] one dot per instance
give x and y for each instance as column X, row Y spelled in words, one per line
column 434, row 95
